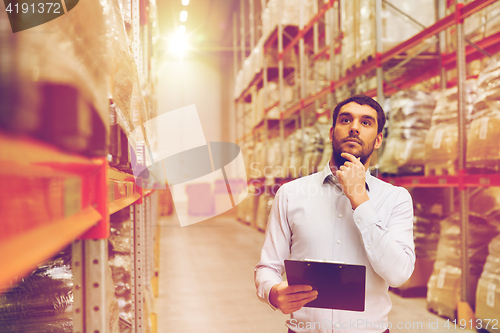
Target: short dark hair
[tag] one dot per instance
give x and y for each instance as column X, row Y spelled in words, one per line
column 362, row 100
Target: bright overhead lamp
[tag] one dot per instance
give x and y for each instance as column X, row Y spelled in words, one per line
column 178, row 45
column 182, row 30
column 185, row 2
column 184, row 16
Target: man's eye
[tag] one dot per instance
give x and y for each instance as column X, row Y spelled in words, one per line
column 345, row 120
column 366, row 123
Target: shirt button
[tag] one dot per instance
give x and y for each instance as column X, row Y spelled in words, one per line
column 337, row 325
column 368, row 247
column 338, row 242
column 359, row 221
column 340, row 215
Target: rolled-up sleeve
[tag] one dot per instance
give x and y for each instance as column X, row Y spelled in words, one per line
column 269, row 271
column 389, row 248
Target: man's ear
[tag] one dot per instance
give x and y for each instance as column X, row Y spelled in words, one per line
column 378, row 140
column 331, row 134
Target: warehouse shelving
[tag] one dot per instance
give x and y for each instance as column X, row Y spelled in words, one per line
column 53, row 196
column 415, row 67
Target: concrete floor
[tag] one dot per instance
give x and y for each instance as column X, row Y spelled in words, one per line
column 206, row 283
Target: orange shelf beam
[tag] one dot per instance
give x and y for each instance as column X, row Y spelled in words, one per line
column 23, row 253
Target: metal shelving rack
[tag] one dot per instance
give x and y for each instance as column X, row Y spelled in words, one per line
column 78, row 196
column 381, row 63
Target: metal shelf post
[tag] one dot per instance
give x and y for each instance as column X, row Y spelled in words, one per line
column 137, row 276
column 280, row 75
column 462, row 146
column 90, row 269
column 302, row 79
column 379, row 50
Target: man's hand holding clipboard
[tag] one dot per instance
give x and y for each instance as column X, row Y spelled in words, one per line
column 291, row 298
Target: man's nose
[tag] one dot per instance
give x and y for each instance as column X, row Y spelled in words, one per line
column 354, row 127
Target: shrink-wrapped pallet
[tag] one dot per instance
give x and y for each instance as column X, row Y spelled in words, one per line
column 483, row 139
column 358, row 17
column 444, row 284
column 409, row 120
column 428, row 211
column 54, row 78
column 313, row 151
column 296, row 153
column 286, row 156
column 238, row 84
column 248, row 150
column 251, row 204
column 269, row 96
column 488, row 289
column 42, row 302
column 324, row 129
column 259, row 160
column 274, row 159
column 441, row 142
column 265, row 204
column 120, row 262
column 479, row 25
column 289, row 14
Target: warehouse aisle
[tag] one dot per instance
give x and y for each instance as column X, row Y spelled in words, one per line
column 206, row 283
column 206, row 279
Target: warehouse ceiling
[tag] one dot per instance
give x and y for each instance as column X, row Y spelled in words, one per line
column 208, row 26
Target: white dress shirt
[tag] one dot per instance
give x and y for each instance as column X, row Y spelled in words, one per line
column 312, row 219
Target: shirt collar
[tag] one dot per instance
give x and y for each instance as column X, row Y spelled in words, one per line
column 327, row 172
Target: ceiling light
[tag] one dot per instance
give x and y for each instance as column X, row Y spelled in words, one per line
column 185, row 2
column 178, row 45
column 184, row 16
column 182, row 30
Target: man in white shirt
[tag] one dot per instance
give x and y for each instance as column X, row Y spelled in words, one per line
column 340, row 214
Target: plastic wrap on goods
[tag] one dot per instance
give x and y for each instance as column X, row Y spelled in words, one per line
column 409, row 120
column 287, row 156
column 483, row 145
column 125, row 87
column 444, row 283
column 479, row 25
column 487, row 203
column 265, row 204
column 358, row 19
column 274, row 159
column 250, row 204
column 428, row 210
column 120, row 261
column 248, row 154
column 313, row 151
column 488, row 289
column 324, row 129
column 42, row 302
column 295, row 154
column 257, row 165
column 67, row 51
column 289, row 14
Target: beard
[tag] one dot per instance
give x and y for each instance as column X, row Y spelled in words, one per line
column 364, row 153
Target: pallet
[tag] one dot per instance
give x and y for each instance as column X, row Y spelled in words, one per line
column 411, row 170
column 410, row 292
column 358, row 63
column 483, row 167
column 444, row 169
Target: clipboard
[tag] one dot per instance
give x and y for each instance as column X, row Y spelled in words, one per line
column 340, row 286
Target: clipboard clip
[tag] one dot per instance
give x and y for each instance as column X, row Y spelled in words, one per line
column 327, row 261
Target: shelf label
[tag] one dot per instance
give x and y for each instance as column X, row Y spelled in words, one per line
column 436, row 144
column 483, row 129
column 490, row 295
column 441, row 278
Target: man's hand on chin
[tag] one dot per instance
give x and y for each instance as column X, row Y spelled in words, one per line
column 352, row 177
